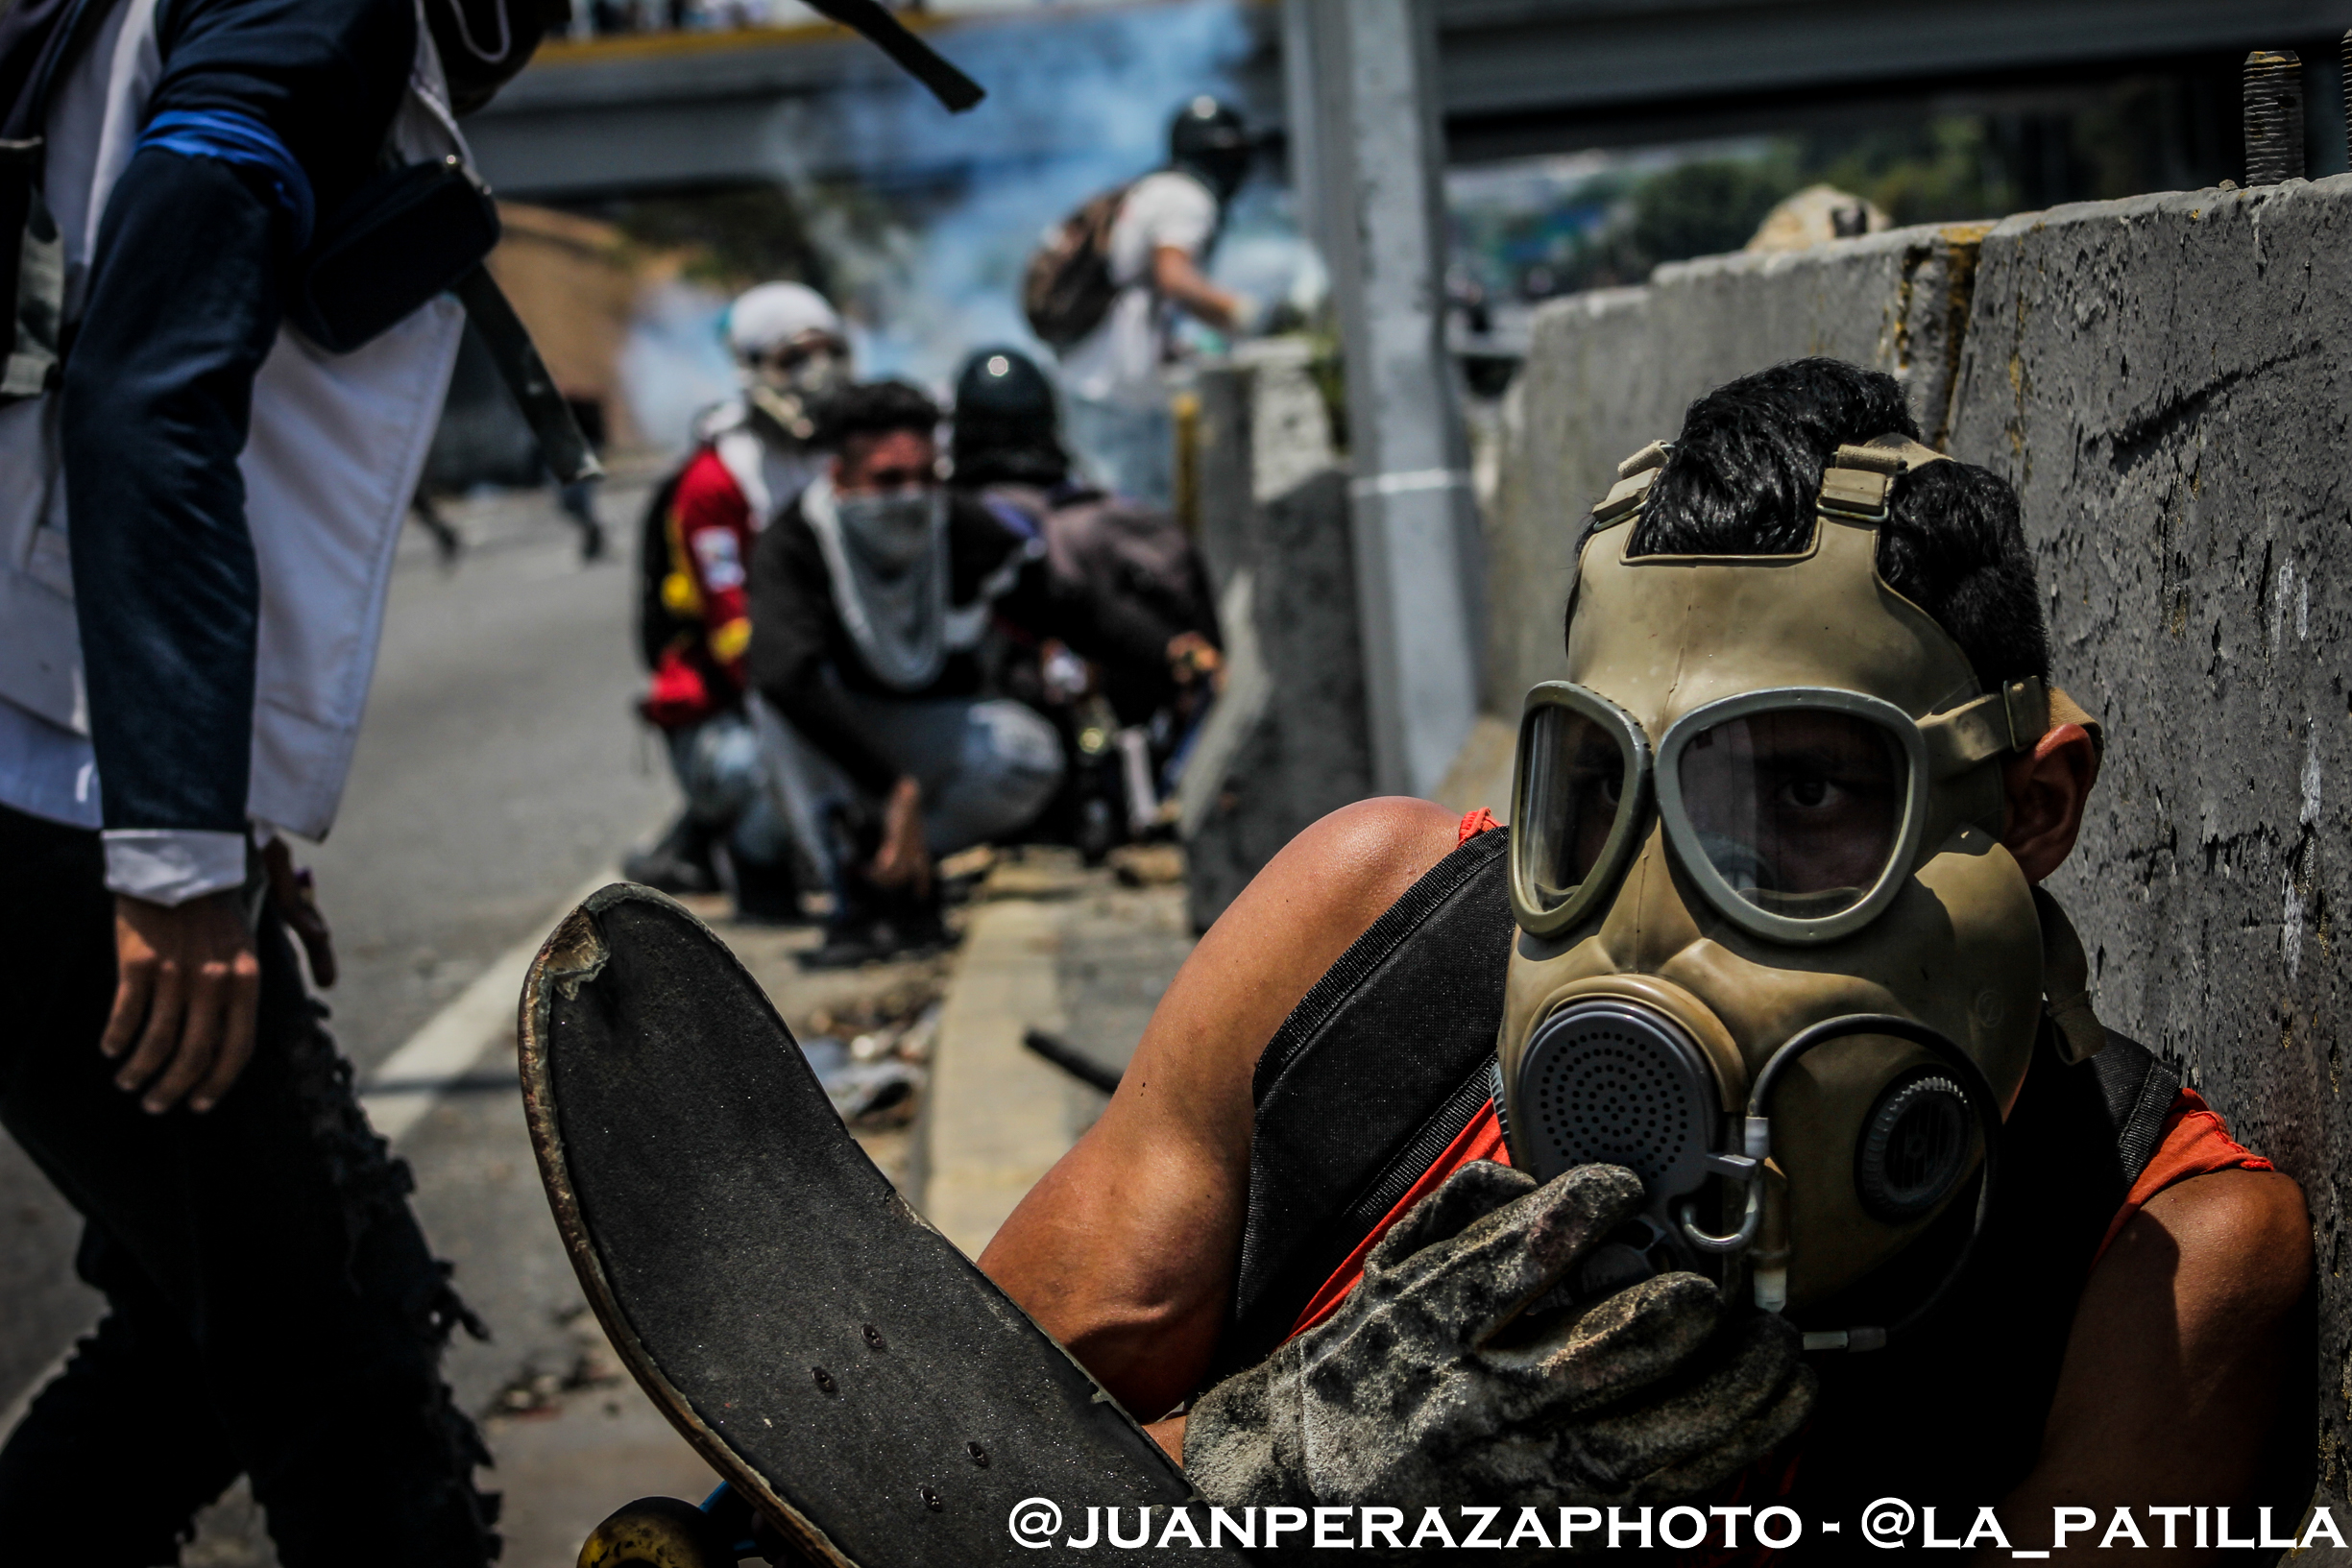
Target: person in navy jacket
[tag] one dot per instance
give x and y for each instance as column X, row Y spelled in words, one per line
column 197, row 518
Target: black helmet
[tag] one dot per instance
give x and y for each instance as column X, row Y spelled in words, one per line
column 1208, row 139
column 1006, row 425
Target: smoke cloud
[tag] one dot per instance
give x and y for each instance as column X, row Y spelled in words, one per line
column 927, row 247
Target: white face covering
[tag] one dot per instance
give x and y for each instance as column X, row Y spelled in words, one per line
column 891, row 529
column 888, row 556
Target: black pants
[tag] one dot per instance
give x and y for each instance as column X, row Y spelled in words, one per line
column 273, row 1310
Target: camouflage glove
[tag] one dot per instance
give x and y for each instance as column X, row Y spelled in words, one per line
column 1435, row 1384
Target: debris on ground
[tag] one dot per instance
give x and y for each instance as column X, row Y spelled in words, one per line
column 1147, row 865
column 872, row 1054
column 535, row 1393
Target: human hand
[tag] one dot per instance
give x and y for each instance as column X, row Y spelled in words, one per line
column 1433, row 1384
column 188, row 986
column 903, row 860
column 1191, row 656
column 297, row 904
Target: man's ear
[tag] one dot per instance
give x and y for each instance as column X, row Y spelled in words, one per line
column 2047, row 792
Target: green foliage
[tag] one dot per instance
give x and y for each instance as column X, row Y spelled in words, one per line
column 1633, row 211
column 1942, row 170
column 1705, row 208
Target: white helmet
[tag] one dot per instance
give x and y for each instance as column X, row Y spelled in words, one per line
column 765, row 319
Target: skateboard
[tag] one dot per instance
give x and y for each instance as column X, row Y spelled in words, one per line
column 870, row 1399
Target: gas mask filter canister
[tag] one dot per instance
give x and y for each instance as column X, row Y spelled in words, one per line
column 1771, row 956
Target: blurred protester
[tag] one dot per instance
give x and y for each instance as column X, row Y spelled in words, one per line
column 577, row 498
column 1141, row 658
column 754, row 456
column 196, row 515
column 870, row 599
column 447, row 542
column 1105, row 288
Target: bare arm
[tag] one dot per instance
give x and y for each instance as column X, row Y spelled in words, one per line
column 1126, row 1250
column 2173, row 1367
column 1177, row 276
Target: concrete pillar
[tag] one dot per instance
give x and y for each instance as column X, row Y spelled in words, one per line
column 1378, row 157
column 1301, row 128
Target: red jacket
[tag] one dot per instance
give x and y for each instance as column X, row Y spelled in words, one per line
column 709, row 530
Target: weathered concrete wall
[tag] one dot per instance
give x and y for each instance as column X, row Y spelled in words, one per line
column 1612, row 370
column 2167, row 383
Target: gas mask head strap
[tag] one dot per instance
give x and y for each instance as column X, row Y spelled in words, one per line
column 1857, row 487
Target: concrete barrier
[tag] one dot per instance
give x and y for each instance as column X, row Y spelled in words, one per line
column 2166, row 382
column 1612, row 370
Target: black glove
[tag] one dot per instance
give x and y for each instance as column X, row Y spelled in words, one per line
column 1435, row 1384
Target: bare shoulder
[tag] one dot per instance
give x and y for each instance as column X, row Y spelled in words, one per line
column 1288, row 926
column 1328, row 885
column 2244, row 1235
column 1126, row 1250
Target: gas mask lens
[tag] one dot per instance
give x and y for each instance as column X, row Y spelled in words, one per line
column 1584, row 766
column 1797, row 811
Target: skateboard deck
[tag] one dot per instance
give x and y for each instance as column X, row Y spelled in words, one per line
column 839, row 1363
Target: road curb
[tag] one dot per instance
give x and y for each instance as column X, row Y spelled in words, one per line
column 998, row 1116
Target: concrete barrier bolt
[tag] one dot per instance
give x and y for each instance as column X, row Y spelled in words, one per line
column 2344, row 52
column 2273, row 116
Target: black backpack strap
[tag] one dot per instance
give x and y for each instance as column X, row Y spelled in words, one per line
column 1378, row 1068
column 2139, row 1090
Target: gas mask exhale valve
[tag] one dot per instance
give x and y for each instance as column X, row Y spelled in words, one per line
column 1771, row 956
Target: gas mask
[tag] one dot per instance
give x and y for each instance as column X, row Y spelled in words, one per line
column 1771, row 956
column 786, row 386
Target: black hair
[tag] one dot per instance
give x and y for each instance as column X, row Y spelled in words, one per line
column 874, row 408
column 1745, row 472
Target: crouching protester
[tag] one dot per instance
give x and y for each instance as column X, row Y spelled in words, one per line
column 199, row 498
column 1637, row 1156
column 1143, row 632
column 872, row 598
column 1130, row 575
column 753, row 456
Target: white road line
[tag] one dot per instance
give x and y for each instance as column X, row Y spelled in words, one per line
column 452, row 1042
column 463, row 1033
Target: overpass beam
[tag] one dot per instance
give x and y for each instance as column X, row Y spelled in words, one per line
column 1378, row 156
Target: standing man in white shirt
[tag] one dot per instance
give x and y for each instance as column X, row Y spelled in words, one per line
column 1117, row 415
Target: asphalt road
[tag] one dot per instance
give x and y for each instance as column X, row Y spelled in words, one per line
column 497, row 768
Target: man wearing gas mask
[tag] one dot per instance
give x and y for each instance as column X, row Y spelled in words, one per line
column 870, row 599
column 754, row 456
column 1637, row 1155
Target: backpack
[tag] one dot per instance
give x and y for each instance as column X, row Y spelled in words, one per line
column 1067, row 288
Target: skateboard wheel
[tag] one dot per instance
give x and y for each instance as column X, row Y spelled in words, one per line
column 657, row 1532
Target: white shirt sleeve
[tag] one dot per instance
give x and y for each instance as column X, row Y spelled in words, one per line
column 172, row 865
column 1166, row 208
